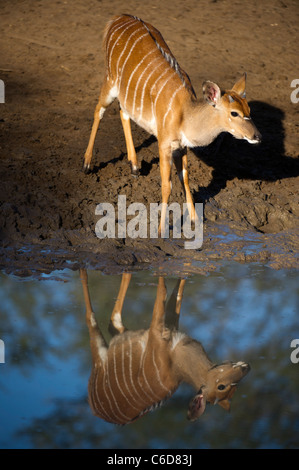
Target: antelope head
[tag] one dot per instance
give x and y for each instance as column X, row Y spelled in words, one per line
column 233, row 110
column 219, row 387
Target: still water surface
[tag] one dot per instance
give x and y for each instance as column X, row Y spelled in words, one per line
column 241, row 312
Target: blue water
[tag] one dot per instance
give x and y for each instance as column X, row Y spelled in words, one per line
column 241, row 312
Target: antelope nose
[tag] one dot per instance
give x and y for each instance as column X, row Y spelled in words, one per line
column 257, row 137
column 243, row 365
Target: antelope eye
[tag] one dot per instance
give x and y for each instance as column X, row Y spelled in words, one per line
column 234, row 114
column 221, row 387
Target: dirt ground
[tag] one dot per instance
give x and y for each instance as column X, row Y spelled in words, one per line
column 52, row 66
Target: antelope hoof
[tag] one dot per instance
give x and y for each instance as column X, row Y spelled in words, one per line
column 134, row 170
column 86, row 167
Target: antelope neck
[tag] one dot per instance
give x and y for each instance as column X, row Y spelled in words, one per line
column 191, row 363
column 200, row 125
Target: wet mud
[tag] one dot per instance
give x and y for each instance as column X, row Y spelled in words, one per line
column 52, row 66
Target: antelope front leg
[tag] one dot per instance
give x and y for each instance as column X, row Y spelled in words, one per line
column 157, row 322
column 125, row 120
column 116, row 324
column 173, row 306
column 181, row 163
column 165, row 170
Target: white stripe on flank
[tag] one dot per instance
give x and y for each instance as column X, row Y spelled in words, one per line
column 171, row 102
column 124, row 372
column 158, row 374
column 128, row 56
column 142, row 343
column 143, row 92
column 133, row 73
column 116, row 27
column 117, row 381
column 103, row 390
column 108, row 394
column 150, row 64
column 97, row 400
column 152, row 88
column 152, row 397
column 109, row 37
column 131, row 375
column 123, row 50
column 161, row 88
column 92, row 385
column 116, row 42
column 120, row 415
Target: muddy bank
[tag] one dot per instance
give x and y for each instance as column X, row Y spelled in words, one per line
column 52, row 65
column 72, row 250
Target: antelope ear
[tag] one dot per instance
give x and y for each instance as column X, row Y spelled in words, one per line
column 240, row 86
column 196, row 407
column 211, row 92
column 225, row 404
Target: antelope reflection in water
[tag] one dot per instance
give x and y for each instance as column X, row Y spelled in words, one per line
column 140, row 369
